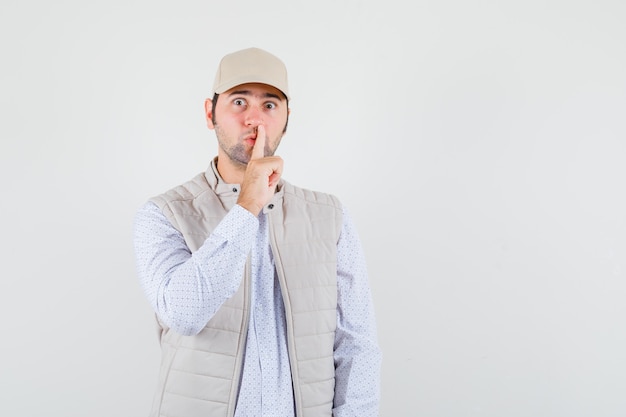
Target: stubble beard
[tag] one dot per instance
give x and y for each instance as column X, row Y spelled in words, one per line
column 239, row 153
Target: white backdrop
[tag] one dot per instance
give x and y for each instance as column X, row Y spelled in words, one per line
column 480, row 147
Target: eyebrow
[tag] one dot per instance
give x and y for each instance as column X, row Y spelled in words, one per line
column 249, row 93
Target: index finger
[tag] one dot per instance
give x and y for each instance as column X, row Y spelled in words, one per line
column 258, row 151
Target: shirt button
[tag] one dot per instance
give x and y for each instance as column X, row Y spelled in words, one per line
column 234, row 189
column 271, row 206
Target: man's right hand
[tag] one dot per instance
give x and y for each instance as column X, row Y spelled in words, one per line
column 261, row 176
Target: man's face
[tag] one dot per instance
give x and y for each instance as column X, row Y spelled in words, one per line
column 238, row 113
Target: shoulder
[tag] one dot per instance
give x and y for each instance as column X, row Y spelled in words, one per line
column 310, row 196
column 189, row 190
column 312, row 207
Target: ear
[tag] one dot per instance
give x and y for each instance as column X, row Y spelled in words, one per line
column 208, row 113
column 287, row 122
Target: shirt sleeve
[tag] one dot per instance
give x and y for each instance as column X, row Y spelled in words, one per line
column 186, row 289
column 357, row 354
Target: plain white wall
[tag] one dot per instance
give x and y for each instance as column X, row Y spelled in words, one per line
column 480, row 146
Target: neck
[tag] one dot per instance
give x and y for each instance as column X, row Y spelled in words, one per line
column 230, row 172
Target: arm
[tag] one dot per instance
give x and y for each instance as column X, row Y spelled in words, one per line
column 186, row 289
column 357, row 355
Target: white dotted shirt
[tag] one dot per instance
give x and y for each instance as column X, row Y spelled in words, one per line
column 186, row 289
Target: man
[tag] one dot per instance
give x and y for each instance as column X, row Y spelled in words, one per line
column 259, row 287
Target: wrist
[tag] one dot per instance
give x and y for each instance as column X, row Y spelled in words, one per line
column 251, row 206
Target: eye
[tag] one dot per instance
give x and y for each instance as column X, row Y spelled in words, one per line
column 239, row 102
column 270, row 105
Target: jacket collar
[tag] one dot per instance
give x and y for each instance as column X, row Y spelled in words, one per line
column 226, row 190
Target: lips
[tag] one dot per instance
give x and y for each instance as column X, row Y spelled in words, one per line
column 251, row 137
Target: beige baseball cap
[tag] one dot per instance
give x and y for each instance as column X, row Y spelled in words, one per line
column 251, row 65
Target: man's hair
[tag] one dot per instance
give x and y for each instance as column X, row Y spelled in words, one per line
column 214, row 103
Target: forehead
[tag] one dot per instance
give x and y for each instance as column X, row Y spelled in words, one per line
column 255, row 90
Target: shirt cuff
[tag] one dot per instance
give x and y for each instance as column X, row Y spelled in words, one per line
column 239, row 227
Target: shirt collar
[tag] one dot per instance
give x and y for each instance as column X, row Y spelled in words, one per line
column 224, row 189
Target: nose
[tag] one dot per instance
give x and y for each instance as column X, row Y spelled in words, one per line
column 254, row 117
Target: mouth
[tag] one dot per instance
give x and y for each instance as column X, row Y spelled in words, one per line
column 250, row 138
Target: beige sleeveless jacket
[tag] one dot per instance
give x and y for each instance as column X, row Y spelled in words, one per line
column 200, row 374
